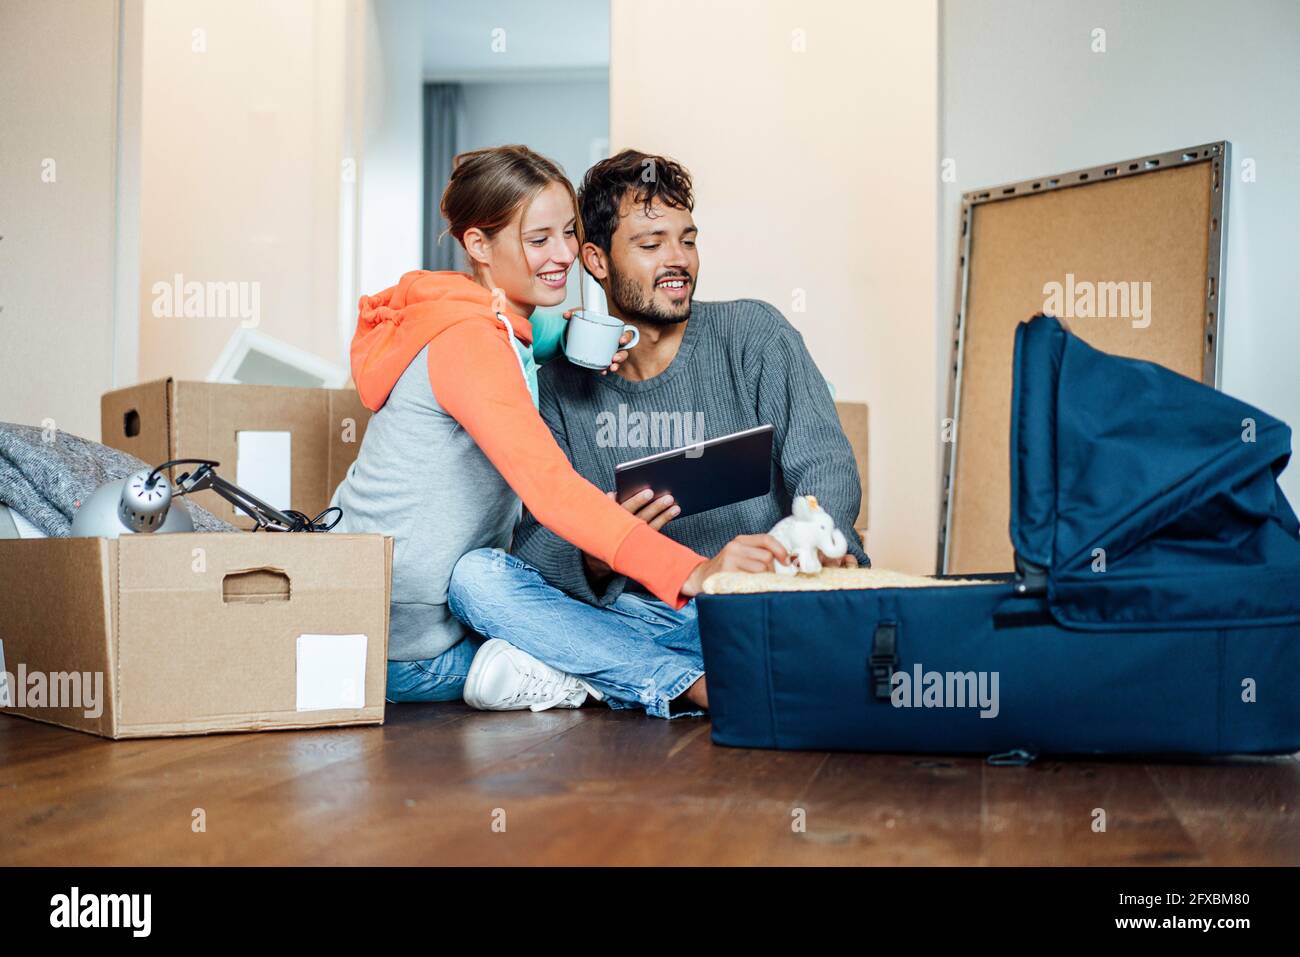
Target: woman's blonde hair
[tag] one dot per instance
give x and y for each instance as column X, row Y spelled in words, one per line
column 488, row 186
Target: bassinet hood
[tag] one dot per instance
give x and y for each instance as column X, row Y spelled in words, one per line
column 1151, row 500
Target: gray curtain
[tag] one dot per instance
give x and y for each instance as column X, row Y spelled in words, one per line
column 444, row 108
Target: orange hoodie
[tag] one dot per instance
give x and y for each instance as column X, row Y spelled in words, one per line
column 476, row 377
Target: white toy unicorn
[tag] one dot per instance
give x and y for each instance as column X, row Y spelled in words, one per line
column 804, row 533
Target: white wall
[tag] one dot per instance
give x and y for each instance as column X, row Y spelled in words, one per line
column 564, row 120
column 59, row 171
column 391, row 194
column 815, row 180
column 1023, row 95
column 465, row 39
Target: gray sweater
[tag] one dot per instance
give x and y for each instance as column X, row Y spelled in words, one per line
column 740, row 365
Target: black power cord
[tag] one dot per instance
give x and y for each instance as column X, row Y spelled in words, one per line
column 317, row 524
column 266, row 516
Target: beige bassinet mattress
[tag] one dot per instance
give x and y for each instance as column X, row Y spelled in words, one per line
column 829, row 579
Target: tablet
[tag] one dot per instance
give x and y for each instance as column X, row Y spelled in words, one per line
column 707, row 475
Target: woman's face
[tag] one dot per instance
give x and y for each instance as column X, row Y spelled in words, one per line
column 531, row 258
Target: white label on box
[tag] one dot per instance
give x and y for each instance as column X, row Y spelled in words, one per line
column 331, row 672
column 5, row 700
column 262, row 466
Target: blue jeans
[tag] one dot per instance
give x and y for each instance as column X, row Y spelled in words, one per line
column 434, row 679
column 637, row 652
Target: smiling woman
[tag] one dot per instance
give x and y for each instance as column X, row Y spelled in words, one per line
column 514, row 212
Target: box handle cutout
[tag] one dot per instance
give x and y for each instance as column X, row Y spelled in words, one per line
column 255, row 586
column 131, row 423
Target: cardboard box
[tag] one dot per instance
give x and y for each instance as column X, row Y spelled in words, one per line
column 197, row 633
column 289, row 446
column 853, row 419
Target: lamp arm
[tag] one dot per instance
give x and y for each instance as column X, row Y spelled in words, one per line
column 266, row 516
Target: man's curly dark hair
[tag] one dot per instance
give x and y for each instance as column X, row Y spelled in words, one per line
column 646, row 176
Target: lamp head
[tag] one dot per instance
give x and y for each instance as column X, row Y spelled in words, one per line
column 140, row 503
column 145, row 501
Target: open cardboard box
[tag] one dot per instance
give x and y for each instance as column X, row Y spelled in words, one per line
column 854, row 421
column 196, row 633
column 289, row 446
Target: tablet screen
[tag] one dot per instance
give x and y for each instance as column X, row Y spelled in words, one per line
column 704, row 476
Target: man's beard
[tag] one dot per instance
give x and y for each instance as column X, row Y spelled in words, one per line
column 632, row 303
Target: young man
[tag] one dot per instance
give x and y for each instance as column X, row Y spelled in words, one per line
column 701, row 370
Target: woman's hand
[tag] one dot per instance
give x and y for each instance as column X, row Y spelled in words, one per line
column 744, row 553
column 618, row 357
column 655, row 512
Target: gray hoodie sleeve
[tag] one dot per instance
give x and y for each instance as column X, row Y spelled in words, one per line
column 560, row 562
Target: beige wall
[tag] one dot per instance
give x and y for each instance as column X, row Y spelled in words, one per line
column 59, row 166
column 245, row 129
column 816, row 174
column 390, row 220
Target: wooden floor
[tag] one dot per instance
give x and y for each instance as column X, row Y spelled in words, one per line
column 600, row 787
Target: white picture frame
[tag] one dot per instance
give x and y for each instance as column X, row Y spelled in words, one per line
column 303, row 368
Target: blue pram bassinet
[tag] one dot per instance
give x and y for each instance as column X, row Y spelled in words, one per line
column 1155, row 608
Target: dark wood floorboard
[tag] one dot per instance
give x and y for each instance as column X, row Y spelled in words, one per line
column 444, row 784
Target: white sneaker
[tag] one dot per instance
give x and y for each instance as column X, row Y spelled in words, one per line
column 503, row 678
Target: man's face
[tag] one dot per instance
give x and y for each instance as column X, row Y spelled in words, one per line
column 653, row 262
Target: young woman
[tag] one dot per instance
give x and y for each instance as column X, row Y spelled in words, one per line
column 445, row 361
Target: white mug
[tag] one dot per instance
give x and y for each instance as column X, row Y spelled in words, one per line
column 593, row 338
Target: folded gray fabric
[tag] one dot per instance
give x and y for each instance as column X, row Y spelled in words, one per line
column 46, row 481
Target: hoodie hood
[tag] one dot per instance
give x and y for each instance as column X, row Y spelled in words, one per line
column 395, row 325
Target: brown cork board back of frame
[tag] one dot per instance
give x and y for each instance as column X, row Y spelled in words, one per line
column 1153, row 227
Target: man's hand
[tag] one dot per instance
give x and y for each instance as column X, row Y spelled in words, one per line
column 655, row 512
column 847, row 561
column 620, row 356
column 744, row 553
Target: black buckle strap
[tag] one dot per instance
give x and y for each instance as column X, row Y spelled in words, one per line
column 1031, row 579
column 884, row 659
